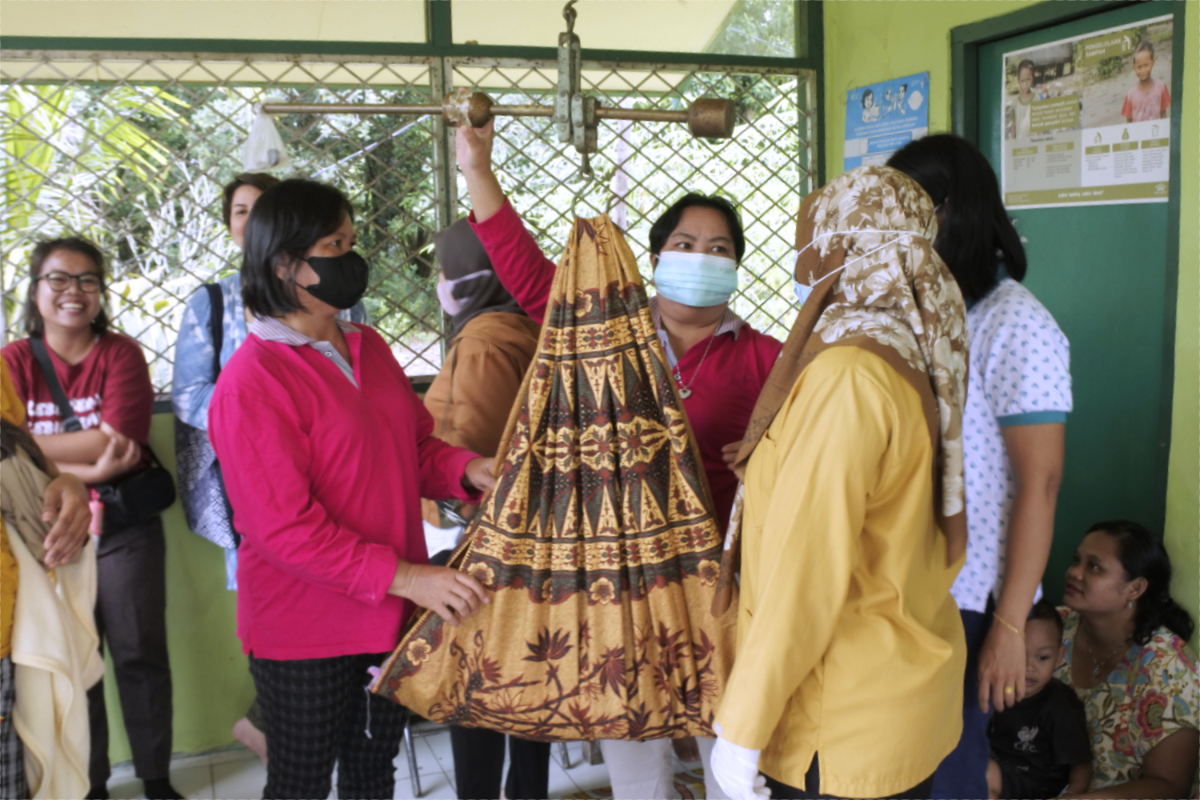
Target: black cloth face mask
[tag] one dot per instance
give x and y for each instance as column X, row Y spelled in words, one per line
column 343, row 279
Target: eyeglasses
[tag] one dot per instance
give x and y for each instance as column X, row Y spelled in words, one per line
column 60, row 281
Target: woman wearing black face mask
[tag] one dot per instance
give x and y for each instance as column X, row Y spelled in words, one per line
column 326, row 451
column 195, row 376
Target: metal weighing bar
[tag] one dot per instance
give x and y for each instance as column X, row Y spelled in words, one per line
column 576, row 115
column 706, row 117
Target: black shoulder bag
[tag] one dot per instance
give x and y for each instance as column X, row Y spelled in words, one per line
column 201, row 485
column 137, row 497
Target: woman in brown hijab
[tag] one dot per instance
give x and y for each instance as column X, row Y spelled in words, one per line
column 491, row 344
column 850, row 645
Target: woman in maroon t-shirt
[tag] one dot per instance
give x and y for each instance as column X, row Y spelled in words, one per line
column 107, row 382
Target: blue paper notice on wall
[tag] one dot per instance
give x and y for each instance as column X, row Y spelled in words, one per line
column 883, row 117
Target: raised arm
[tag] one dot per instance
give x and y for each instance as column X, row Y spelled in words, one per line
column 473, row 148
column 520, row 264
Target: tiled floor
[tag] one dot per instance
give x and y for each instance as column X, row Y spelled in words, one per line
column 236, row 774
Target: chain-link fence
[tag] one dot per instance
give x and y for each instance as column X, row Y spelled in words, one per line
column 132, row 149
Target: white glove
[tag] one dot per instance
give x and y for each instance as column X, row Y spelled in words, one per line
column 736, row 770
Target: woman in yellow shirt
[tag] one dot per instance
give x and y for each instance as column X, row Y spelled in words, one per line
column 850, row 646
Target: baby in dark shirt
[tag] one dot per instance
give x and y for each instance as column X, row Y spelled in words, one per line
column 1040, row 746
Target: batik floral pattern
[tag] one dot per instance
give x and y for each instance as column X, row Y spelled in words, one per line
column 598, row 546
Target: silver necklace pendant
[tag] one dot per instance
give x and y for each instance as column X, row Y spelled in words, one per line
column 1098, row 666
column 685, row 391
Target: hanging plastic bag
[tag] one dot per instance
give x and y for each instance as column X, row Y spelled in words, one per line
column 264, row 148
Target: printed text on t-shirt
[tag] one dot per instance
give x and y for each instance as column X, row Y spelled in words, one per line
column 45, row 419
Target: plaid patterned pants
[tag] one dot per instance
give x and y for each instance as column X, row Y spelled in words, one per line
column 316, row 714
column 12, row 755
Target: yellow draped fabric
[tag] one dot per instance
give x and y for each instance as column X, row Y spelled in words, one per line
column 598, row 546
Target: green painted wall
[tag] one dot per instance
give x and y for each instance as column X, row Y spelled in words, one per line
column 870, row 42
column 876, row 41
column 1183, row 483
column 212, row 681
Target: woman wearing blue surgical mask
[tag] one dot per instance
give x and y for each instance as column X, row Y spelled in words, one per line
column 720, row 363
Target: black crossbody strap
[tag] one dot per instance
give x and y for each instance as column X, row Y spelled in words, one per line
column 70, row 422
column 216, row 301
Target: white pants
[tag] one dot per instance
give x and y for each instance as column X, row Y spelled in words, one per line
column 643, row 770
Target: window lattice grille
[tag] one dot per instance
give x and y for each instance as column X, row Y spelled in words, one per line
column 132, row 149
column 643, row 167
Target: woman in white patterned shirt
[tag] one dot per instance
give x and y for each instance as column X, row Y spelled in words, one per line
column 1018, row 396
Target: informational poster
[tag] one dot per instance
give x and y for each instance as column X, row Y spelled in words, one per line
column 883, row 117
column 1087, row 120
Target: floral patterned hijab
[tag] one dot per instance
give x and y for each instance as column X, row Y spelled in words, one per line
column 899, row 302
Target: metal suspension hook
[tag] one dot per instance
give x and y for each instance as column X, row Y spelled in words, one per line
column 588, row 174
column 569, row 14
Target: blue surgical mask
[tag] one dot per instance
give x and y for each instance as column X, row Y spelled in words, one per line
column 803, row 290
column 699, row 280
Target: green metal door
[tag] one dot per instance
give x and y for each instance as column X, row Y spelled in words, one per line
column 1104, row 272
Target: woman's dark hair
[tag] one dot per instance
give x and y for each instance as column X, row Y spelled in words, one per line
column 1143, row 556
column 976, row 235
column 1044, row 609
column 284, row 224
column 259, row 180
column 34, row 324
column 665, row 225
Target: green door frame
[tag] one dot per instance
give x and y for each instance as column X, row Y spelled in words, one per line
column 965, row 42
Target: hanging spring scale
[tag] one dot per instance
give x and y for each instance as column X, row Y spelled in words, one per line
column 576, row 115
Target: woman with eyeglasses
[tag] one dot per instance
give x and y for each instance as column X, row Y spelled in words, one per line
column 105, row 378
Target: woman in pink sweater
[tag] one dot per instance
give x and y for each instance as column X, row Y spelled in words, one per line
column 719, row 361
column 326, row 451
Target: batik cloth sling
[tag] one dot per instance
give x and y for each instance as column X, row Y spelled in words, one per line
column 23, row 481
column 598, row 546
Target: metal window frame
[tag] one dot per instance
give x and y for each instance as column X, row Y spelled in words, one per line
column 439, row 47
column 439, row 42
